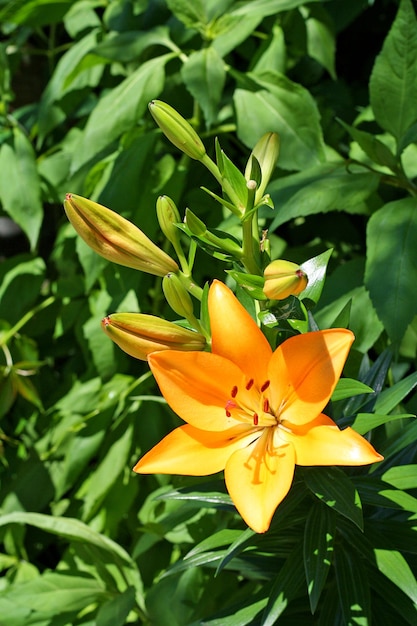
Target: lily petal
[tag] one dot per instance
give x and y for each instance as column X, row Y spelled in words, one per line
column 258, row 477
column 304, row 371
column 192, row 452
column 321, row 442
column 197, row 386
column 235, row 334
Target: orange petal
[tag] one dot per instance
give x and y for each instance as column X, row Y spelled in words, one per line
column 304, row 371
column 197, row 386
column 258, row 477
column 235, row 334
column 321, row 442
column 191, row 452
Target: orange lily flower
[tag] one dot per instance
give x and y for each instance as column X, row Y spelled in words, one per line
column 253, row 412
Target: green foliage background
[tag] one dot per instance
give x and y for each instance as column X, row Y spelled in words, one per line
column 83, row 540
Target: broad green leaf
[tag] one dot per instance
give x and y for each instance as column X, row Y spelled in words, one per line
column 50, row 114
column 319, row 189
column 321, row 44
column 70, row 529
column 191, row 14
column 57, row 592
column 281, row 106
column 389, row 398
column 107, row 472
column 21, row 278
column 393, row 83
column 115, row 611
column 318, row 550
column 394, row 566
column 353, row 587
column 391, row 272
column 348, row 387
column 128, row 46
column 364, row 422
column 402, row 477
column 20, row 191
column 229, row 30
column 273, row 54
column 267, row 7
column 378, row 151
column 119, row 110
column 332, row 486
column 286, row 586
column 204, row 76
column 315, row 269
column 35, row 13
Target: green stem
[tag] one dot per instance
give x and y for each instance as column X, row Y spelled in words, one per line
column 192, row 287
column 250, row 245
column 26, row 318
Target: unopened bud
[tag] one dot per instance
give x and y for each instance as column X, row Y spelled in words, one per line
column 177, row 296
column 283, row 279
column 266, row 153
column 139, row 335
column 177, row 129
column 115, row 238
column 168, row 216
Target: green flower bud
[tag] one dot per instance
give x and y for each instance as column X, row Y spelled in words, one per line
column 283, row 279
column 177, row 296
column 115, row 238
column 139, row 335
column 168, row 216
column 266, row 153
column 177, row 129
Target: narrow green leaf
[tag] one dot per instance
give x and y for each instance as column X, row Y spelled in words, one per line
column 402, row 477
column 353, row 588
column 283, row 107
column 391, row 271
column 315, row 269
column 320, row 189
column 399, row 441
column 204, row 76
column 394, row 566
column 286, row 586
column 348, row 387
column 389, row 398
column 20, row 191
column 393, row 83
column 318, row 550
column 364, row 422
column 128, row 46
column 332, row 486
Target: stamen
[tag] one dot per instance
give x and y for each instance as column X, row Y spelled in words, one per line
column 233, row 393
column 229, row 405
column 266, row 405
column 249, row 384
column 255, row 419
column 265, row 385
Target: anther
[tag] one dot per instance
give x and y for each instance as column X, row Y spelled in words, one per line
column 228, row 414
column 266, row 405
column 229, row 405
column 255, row 419
column 233, row 393
column 249, row 384
column 265, row 385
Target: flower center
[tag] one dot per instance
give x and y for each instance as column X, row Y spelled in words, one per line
column 252, row 404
